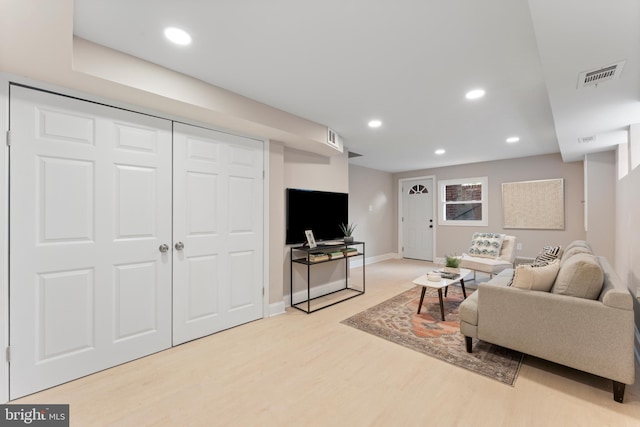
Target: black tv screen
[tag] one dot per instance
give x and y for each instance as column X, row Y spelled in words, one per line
column 319, row 211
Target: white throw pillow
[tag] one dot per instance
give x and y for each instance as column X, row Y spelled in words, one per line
column 508, row 249
column 486, row 245
column 536, row 278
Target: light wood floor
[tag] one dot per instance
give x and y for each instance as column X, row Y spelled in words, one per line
column 310, row 370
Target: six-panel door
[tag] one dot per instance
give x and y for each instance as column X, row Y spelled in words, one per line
column 91, row 249
column 90, row 203
column 218, row 223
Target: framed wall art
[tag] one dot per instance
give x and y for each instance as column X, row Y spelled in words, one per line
column 533, row 204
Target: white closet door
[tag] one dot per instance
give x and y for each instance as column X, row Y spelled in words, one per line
column 218, row 217
column 90, row 204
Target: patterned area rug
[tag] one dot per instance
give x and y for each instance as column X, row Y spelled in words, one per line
column 396, row 320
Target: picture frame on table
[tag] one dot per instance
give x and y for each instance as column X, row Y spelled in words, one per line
column 311, row 241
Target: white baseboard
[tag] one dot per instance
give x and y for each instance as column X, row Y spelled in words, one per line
column 276, row 309
column 315, row 291
column 328, row 287
column 372, row 260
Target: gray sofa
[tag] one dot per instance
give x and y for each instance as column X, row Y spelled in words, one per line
column 592, row 335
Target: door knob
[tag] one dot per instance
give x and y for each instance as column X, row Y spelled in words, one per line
column 164, row 248
column 179, row 246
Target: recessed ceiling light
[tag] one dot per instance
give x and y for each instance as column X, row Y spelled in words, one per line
column 513, row 139
column 440, row 151
column 475, row 94
column 177, row 36
column 375, row 123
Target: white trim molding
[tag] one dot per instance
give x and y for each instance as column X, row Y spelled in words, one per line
column 483, row 181
column 355, row 263
column 277, row 308
column 401, row 211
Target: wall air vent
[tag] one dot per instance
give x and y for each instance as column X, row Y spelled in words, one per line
column 601, row 75
column 332, row 138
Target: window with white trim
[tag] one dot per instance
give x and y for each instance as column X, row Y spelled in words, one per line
column 464, row 202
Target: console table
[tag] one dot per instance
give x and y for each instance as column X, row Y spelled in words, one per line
column 305, row 256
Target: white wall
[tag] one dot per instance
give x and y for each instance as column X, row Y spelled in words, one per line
column 455, row 239
column 37, row 48
column 315, row 172
column 372, row 207
column 312, row 172
column 37, row 42
column 600, row 202
column 627, row 225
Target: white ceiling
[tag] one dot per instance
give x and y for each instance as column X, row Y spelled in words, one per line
column 408, row 63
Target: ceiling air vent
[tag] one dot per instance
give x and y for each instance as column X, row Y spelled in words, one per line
column 586, row 139
column 601, row 75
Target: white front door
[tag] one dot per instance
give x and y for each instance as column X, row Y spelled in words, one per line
column 418, row 221
column 90, row 206
column 218, row 227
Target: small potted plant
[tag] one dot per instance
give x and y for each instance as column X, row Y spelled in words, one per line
column 347, row 231
column 451, row 264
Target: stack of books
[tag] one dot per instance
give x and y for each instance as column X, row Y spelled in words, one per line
column 318, row 256
column 350, row 251
column 446, row 274
column 336, row 254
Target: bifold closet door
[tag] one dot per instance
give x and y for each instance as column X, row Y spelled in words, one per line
column 218, row 238
column 90, row 208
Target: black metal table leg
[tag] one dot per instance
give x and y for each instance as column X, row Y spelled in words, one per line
column 464, row 292
column 424, row 289
column 441, row 303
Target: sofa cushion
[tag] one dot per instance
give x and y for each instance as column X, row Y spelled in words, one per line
column 579, row 243
column 486, row 245
column 536, row 278
column 546, row 255
column 568, row 253
column 580, row 276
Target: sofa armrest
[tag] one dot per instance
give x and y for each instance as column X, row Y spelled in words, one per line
column 576, row 332
column 614, row 292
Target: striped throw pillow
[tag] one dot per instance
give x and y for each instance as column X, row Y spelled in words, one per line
column 547, row 255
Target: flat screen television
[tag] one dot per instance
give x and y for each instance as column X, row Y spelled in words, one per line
column 319, row 211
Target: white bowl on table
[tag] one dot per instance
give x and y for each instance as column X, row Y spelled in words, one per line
column 434, row 277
